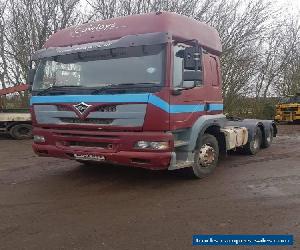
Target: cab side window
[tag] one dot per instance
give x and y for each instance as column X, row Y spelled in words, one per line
column 178, row 65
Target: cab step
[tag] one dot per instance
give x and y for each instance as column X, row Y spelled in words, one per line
column 180, row 143
column 181, row 164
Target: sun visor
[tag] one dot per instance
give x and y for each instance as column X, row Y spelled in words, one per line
column 127, row 41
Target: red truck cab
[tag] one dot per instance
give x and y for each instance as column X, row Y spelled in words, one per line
column 141, row 90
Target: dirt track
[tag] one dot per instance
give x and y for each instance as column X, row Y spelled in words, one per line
column 58, row 204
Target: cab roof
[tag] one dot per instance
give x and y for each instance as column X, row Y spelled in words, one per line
column 181, row 28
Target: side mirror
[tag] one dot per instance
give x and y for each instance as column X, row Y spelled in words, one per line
column 31, row 74
column 192, row 58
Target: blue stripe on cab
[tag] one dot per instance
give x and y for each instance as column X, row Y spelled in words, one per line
column 160, row 103
column 127, row 98
column 173, row 108
column 216, row 106
column 186, row 108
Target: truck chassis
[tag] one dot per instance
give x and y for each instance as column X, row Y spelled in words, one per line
column 17, row 125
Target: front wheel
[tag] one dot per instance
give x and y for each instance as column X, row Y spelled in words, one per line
column 21, row 131
column 206, row 157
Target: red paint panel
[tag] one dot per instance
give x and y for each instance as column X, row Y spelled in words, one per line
column 181, row 27
column 184, row 120
column 156, row 119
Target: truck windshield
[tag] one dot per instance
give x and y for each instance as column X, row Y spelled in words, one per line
column 132, row 65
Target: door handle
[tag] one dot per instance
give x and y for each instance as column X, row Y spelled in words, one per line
column 206, row 107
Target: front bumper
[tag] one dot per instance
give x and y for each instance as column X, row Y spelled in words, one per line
column 115, row 147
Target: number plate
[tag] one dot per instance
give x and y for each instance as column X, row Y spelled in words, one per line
column 89, row 157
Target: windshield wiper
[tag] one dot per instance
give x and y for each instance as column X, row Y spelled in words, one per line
column 94, row 90
column 47, row 90
column 122, row 86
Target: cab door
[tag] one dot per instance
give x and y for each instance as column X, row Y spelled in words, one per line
column 188, row 104
column 212, row 84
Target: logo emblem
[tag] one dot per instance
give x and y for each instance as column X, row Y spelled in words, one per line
column 81, row 107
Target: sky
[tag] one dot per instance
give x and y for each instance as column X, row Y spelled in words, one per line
column 294, row 5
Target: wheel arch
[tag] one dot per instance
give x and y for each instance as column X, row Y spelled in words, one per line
column 215, row 130
column 210, row 124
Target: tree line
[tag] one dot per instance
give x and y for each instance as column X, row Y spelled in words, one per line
column 261, row 45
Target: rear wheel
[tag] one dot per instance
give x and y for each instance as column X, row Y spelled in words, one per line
column 254, row 145
column 21, row 131
column 205, row 159
column 269, row 139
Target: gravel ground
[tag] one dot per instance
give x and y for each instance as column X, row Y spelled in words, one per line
column 50, row 203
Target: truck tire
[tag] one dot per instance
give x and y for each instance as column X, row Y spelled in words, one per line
column 205, row 159
column 21, row 131
column 253, row 146
column 269, row 139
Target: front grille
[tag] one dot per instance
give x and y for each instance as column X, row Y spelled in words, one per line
column 121, row 115
column 97, row 121
column 64, row 108
column 106, row 108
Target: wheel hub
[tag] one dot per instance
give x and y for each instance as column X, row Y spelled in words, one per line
column 206, row 155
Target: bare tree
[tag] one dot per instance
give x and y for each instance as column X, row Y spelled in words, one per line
column 30, row 23
column 113, row 8
column 3, row 58
column 261, row 51
column 288, row 80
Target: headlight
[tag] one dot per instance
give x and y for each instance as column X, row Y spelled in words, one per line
column 39, row 138
column 156, row 145
column 142, row 144
column 159, row 145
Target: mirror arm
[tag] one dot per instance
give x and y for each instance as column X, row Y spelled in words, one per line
column 176, row 91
